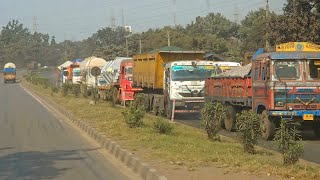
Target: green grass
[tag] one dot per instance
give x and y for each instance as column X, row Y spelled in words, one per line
column 186, row 144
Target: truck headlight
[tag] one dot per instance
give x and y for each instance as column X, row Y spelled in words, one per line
column 279, row 104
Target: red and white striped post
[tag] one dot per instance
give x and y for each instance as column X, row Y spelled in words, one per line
column 173, row 110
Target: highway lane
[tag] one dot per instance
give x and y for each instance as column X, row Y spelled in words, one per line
column 34, row 144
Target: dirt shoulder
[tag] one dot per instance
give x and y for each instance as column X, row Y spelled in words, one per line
column 184, row 154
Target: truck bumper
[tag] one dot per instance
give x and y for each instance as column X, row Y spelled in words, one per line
column 307, row 115
column 189, row 104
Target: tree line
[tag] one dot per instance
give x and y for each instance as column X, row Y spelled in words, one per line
column 214, row 33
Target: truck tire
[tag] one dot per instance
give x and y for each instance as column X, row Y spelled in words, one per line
column 268, row 128
column 230, row 120
column 316, row 129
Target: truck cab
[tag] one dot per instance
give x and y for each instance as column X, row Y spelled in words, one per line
column 76, row 76
column 286, row 85
column 184, row 83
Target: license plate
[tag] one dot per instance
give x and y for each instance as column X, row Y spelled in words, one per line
column 308, row 117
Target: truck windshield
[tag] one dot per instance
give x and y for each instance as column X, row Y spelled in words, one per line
column 190, row 73
column 128, row 70
column 287, row 69
column 76, row 73
column 314, row 69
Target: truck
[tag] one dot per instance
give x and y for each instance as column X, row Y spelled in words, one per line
column 62, row 72
column 118, row 76
column 9, row 72
column 283, row 84
column 171, row 81
column 75, row 72
column 87, row 79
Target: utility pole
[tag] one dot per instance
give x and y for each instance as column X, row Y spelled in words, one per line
column 140, row 45
column 113, row 20
column 34, row 24
column 208, row 6
column 236, row 14
column 122, row 18
column 267, row 27
column 174, row 3
column 127, row 48
column 169, row 38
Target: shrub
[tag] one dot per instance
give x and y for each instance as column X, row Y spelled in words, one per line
column 76, row 89
column 54, row 89
column 66, row 87
column 249, row 130
column 133, row 116
column 95, row 94
column 163, row 126
column 212, row 115
column 113, row 96
column 289, row 143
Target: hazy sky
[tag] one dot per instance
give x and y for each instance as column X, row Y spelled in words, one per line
column 79, row 19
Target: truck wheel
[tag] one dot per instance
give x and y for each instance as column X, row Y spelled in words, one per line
column 268, row 128
column 230, row 120
column 316, row 129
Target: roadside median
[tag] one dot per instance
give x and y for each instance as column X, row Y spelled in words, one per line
column 185, row 149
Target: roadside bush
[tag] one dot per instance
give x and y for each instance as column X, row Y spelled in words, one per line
column 289, row 143
column 212, row 115
column 76, row 89
column 133, row 116
column 54, row 89
column 139, row 101
column 163, row 126
column 249, row 130
column 113, row 96
column 66, row 88
column 95, row 94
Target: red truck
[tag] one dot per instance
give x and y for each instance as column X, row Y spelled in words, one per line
column 284, row 84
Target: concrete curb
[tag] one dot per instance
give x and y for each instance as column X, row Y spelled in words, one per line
column 123, row 155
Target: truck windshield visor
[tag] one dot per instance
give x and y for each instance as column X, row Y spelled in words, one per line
column 190, row 73
column 287, row 69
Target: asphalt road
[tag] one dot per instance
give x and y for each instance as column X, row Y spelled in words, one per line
column 34, row 144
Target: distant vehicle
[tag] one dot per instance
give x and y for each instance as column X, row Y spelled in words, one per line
column 45, row 67
column 9, row 73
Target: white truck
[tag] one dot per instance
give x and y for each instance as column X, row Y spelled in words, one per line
column 172, row 81
column 85, row 72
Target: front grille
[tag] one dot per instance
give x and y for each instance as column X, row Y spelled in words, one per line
column 192, row 94
column 298, row 101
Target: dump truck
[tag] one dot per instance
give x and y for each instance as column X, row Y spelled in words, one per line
column 9, row 72
column 284, row 84
column 87, row 79
column 171, row 81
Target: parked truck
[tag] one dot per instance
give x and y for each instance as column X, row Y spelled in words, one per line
column 9, row 73
column 118, row 76
column 171, row 81
column 87, row 79
column 62, row 72
column 284, row 84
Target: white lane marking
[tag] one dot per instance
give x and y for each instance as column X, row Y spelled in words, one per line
column 44, row 105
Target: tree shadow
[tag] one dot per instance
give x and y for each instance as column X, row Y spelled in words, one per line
column 36, row 165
